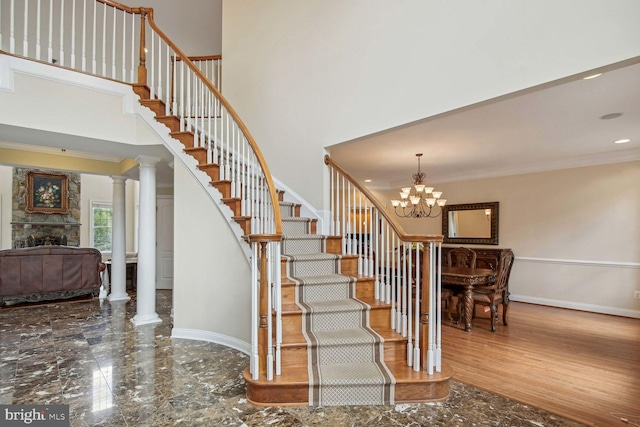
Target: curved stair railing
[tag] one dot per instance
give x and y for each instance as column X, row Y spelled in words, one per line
column 110, row 40
column 405, row 266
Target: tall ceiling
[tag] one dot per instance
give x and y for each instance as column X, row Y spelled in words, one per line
column 561, row 125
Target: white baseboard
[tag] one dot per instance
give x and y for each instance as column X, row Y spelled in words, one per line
column 577, row 306
column 198, row 335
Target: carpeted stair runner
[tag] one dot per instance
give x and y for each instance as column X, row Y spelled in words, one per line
column 346, row 357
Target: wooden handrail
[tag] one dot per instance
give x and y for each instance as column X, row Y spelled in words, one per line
column 243, row 128
column 421, row 238
column 121, row 6
column 202, row 58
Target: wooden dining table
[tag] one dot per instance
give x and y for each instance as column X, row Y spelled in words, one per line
column 468, row 279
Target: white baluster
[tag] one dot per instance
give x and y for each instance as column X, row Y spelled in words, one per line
column 407, row 252
column 278, row 282
column 38, row 26
column 93, row 40
column 133, row 48
column 255, row 315
column 61, row 52
column 269, row 318
column 406, row 294
column 12, row 28
column 394, row 275
column 113, row 45
column 50, row 48
column 439, row 320
column 377, row 273
column 159, row 61
column 25, row 41
column 84, row 37
column 398, row 275
column 416, row 339
column 168, row 92
column 104, row 39
column 151, row 66
column 431, row 312
column 378, row 294
column 358, row 218
column 371, row 234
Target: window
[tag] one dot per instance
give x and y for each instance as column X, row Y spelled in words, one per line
column 101, row 225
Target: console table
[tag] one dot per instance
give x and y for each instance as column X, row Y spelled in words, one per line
column 131, row 274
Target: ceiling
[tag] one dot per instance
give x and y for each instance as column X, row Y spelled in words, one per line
column 58, row 144
column 556, row 126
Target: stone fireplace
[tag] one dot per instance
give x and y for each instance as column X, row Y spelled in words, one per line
column 32, row 229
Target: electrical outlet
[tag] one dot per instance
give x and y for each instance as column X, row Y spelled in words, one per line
column 636, row 295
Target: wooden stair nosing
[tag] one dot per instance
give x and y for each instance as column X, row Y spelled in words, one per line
column 156, row 105
column 172, row 122
column 142, row 90
column 211, row 169
column 185, row 137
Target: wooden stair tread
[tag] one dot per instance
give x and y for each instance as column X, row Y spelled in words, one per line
column 406, row 374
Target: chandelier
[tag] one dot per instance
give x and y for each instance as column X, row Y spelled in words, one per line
column 420, row 203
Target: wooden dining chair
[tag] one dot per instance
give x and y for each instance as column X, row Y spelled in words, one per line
column 498, row 292
column 458, row 257
column 462, row 257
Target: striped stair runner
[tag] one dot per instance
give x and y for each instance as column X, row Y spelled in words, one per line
column 345, row 356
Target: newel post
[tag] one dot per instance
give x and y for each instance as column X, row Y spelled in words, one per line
column 142, row 67
column 425, row 303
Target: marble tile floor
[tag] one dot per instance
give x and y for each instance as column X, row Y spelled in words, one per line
column 88, row 355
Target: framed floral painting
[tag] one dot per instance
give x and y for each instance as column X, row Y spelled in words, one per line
column 47, row 193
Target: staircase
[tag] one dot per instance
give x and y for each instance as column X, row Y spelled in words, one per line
column 338, row 348
column 336, row 342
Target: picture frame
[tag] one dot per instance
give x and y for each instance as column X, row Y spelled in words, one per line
column 47, row 193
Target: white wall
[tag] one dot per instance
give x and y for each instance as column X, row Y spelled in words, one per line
column 193, row 25
column 574, row 233
column 212, row 276
column 304, row 75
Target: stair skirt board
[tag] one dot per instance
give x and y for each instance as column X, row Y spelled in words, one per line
column 345, row 356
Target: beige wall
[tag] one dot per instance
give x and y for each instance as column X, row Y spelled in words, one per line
column 304, row 75
column 575, row 233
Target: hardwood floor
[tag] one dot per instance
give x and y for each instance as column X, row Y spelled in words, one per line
column 579, row 365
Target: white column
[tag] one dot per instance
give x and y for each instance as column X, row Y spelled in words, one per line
column 118, row 243
column 146, row 293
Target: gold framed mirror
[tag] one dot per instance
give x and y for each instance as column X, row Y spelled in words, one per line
column 471, row 223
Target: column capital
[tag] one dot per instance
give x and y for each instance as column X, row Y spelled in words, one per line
column 148, row 161
column 119, row 178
